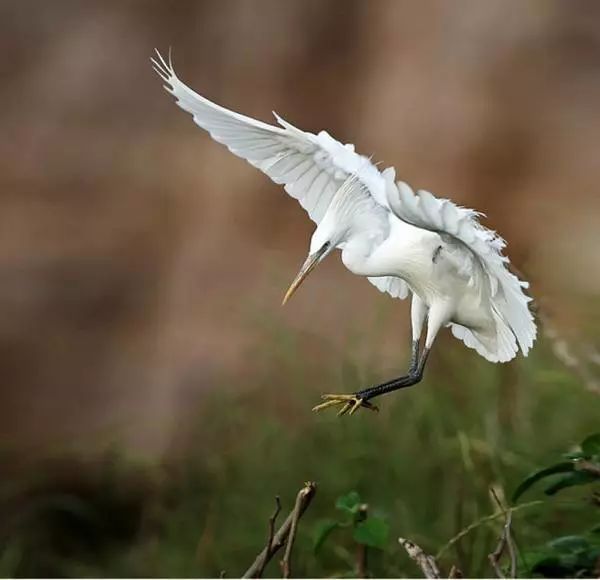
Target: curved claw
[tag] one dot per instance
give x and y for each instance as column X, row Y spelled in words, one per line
column 351, row 403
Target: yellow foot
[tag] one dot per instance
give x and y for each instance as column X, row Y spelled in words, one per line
column 351, row 403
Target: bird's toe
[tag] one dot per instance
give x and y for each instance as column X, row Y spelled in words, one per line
column 349, row 404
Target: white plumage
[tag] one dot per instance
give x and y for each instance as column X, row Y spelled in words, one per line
column 403, row 242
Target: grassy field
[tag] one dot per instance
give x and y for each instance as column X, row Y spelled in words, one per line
column 425, row 464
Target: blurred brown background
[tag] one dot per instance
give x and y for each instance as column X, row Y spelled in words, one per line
column 135, row 251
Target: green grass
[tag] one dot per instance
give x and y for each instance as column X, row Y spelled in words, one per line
column 425, row 462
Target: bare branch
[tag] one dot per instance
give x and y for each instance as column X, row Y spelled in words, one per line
column 279, row 538
column 269, row 547
column 495, row 556
column 304, row 496
column 505, row 543
column 426, row 562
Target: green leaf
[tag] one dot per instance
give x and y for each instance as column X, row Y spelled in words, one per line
column 575, row 478
column 563, row 467
column 322, row 532
column 569, row 544
column 373, row 532
column 565, row 557
column 349, row 502
column 591, row 445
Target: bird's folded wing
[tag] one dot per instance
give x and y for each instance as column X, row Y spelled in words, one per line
column 311, row 167
column 395, row 287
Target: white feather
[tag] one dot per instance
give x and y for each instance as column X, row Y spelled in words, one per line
column 395, row 287
column 509, row 302
column 313, row 167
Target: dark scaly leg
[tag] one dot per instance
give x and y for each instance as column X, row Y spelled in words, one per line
column 437, row 316
column 415, row 374
column 361, row 398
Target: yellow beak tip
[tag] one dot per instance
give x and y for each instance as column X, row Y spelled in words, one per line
column 286, row 298
column 306, row 269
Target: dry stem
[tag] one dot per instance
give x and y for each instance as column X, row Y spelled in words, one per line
column 505, row 543
column 305, row 496
column 301, row 499
column 269, row 547
column 484, row 520
column 426, row 562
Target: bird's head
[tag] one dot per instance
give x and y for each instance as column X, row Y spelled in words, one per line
column 334, row 229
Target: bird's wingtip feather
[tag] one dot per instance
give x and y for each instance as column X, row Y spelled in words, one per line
column 164, row 66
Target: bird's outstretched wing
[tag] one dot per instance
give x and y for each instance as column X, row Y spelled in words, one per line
column 509, row 301
column 311, row 167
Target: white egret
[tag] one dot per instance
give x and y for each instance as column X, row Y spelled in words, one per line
column 403, row 242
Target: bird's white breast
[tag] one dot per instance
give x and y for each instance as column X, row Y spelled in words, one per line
column 435, row 268
column 407, row 253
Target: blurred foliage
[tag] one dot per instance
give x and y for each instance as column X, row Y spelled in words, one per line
column 582, row 468
column 567, row 557
column 368, row 530
column 74, row 510
column 571, row 556
column 424, row 464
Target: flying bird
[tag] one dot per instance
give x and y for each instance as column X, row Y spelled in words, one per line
column 405, row 243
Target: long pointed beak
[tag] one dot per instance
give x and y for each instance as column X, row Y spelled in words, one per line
column 306, row 269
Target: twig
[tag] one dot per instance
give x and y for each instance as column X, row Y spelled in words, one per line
column 269, row 547
column 588, row 467
column 286, row 563
column 512, row 553
column 279, row 539
column 361, row 549
column 426, row 562
column 505, row 543
column 481, row 521
column 455, row 572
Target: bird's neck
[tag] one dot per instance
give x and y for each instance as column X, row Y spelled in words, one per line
column 400, row 251
column 356, row 253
